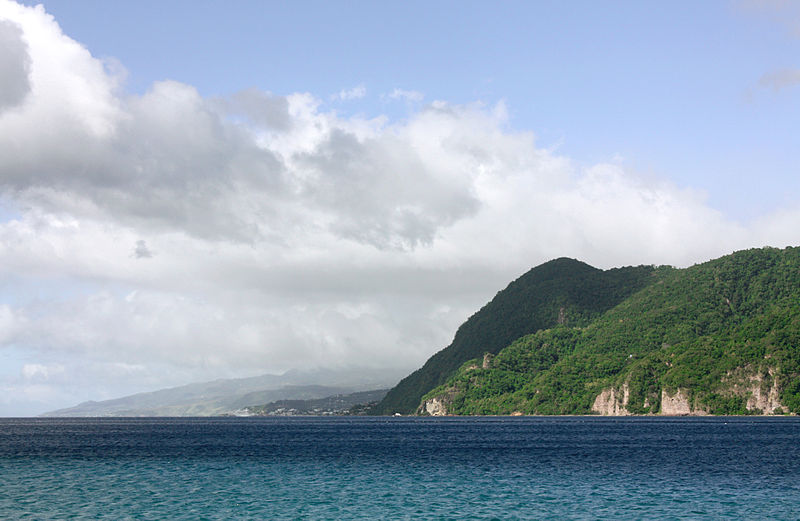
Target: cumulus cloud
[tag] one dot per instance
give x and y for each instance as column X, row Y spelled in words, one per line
column 285, row 235
column 14, row 65
column 263, row 110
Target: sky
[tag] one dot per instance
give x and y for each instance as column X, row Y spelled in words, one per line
column 192, row 190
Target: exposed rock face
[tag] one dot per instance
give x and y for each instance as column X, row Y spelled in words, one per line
column 759, row 388
column 435, row 407
column 678, row 404
column 612, row 402
column 761, row 401
column 761, row 398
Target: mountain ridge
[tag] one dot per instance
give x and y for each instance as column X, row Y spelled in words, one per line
column 562, row 289
column 222, row 396
column 720, row 337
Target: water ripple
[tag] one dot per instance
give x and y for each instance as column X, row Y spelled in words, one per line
column 344, row 468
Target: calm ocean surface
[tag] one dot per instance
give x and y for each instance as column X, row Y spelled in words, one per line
column 400, row 468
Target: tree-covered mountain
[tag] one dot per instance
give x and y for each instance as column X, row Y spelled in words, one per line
column 563, row 291
column 722, row 337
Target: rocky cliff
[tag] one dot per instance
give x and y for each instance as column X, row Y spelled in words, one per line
column 722, row 338
column 760, row 392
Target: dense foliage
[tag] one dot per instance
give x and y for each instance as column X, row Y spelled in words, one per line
column 562, row 290
column 708, row 329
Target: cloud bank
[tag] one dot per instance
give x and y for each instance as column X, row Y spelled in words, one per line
column 157, row 239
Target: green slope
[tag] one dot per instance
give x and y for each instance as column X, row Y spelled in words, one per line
column 562, row 288
column 723, row 332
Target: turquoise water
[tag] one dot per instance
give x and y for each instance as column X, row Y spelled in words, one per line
column 404, row 468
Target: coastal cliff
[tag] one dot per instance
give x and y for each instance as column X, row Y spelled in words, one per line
column 612, row 402
column 434, row 407
column 722, row 337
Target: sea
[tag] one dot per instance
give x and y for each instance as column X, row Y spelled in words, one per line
column 381, row 468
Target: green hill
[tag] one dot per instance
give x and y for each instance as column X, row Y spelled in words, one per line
column 560, row 291
column 721, row 337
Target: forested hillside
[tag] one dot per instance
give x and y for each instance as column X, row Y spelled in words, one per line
column 562, row 291
column 723, row 337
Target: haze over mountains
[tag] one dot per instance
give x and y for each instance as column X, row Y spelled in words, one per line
column 225, row 396
column 722, row 337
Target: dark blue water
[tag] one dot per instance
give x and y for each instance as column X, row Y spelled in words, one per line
column 400, row 468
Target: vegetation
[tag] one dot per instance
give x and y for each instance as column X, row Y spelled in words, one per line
column 353, row 404
column 560, row 291
column 712, row 329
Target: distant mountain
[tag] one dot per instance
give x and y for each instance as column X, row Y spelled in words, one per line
column 722, row 337
column 340, row 404
column 227, row 395
column 560, row 291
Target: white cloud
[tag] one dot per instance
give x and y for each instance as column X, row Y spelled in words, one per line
column 357, row 92
column 10, row 324
column 192, row 238
column 14, row 65
column 410, row 96
column 39, row 371
column 69, row 89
